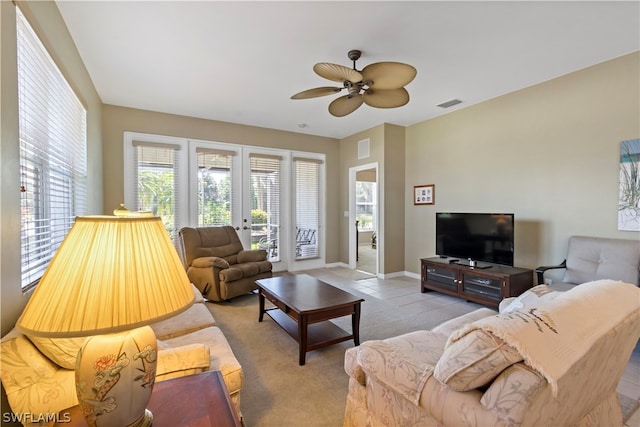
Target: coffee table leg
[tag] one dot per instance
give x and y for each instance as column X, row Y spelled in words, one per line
column 261, row 301
column 302, row 336
column 355, row 324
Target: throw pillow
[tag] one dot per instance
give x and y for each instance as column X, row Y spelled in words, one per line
column 531, row 298
column 62, row 351
column 474, row 360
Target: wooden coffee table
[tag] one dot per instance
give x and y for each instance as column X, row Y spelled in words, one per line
column 303, row 306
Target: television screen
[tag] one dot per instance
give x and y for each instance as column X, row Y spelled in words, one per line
column 486, row 237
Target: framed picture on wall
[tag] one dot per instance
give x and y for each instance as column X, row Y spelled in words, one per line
column 424, row 194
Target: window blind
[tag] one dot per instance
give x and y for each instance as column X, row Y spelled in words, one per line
column 53, row 154
column 307, row 200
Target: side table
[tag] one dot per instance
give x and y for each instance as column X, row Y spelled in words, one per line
column 193, row 401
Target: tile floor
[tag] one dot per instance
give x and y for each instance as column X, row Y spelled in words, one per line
column 402, row 292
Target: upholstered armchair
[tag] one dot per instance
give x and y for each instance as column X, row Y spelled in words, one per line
column 594, row 258
column 217, row 263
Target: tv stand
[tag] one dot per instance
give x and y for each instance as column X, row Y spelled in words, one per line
column 487, row 284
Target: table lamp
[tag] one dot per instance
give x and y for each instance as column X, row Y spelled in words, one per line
column 110, row 278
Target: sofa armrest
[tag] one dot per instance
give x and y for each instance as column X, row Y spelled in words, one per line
column 210, row 261
column 394, row 369
column 182, row 361
column 252, row 255
column 540, row 270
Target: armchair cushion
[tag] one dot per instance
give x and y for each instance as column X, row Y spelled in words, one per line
column 595, row 258
column 474, row 360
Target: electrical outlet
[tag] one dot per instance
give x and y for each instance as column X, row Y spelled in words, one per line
column 548, row 281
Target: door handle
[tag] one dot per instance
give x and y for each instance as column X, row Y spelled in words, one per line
column 237, row 228
column 245, row 227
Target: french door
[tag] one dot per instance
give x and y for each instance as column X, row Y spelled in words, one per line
column 273, row 198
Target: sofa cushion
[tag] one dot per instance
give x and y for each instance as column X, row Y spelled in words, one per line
column 474, row 360
column 447, row 328
column 182, row 361
column 194, row 318
column 530, row 298
column 33, row 383
column 61, row 351
column 512, row 392
column 221, row 355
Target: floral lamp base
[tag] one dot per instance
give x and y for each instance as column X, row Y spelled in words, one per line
column 115, row 374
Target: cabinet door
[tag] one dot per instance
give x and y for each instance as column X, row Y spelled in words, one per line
column 442, row 277
column 485, row 286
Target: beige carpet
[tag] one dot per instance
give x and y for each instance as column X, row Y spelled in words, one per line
column 277, row 391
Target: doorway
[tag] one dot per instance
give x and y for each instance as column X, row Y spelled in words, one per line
column 363, row 213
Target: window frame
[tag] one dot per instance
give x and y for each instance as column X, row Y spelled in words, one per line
column 53, row 146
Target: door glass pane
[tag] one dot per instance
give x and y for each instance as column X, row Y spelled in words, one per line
column 307, row 208
column 365, row 205
column 156, row 167
column 214, row 188
column 265, row 205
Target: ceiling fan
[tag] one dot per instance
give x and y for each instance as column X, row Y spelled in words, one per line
column 379, row 85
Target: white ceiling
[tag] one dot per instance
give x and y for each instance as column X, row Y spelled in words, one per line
column 240, row 61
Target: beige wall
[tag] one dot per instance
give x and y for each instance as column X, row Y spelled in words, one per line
column 548, row 153
column 117, row 120
column 48, row 24
column 393, row 247
column 387, row 150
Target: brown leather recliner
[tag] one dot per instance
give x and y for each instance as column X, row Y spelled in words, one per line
column 218, row 265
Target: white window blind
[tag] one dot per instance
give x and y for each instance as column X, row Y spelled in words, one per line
column 215, row 189
column 53, row 153
column 156, row 173
column 307, row 200
column 265, row 204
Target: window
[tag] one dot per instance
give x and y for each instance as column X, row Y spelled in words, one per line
column 272, row 197
column 307, row 197
column 265, row 204
column 157, row 170
column 53, row 154
column 366, row 205
column 215, row 169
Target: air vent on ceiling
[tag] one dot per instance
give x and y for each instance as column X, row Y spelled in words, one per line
column 450, row 103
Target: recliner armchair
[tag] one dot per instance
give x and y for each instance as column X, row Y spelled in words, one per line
column 218, row 265
column 595, row 258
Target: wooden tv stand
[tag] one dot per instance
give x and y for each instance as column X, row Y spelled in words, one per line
column 487, row 285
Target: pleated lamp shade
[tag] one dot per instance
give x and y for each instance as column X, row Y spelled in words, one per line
column 110, row 274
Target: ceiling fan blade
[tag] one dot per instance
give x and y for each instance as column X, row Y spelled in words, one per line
column 337, row 73
column 345, row 105
column 388, row 75
column 386, row 98
column 315, row 92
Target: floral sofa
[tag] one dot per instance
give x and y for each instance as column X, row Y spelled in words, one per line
column 548, row 358
column 38, row 373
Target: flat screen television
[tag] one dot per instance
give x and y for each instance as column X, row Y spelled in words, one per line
column 484, row 237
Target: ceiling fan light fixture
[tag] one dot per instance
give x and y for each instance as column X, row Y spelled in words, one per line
column 379, row 85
